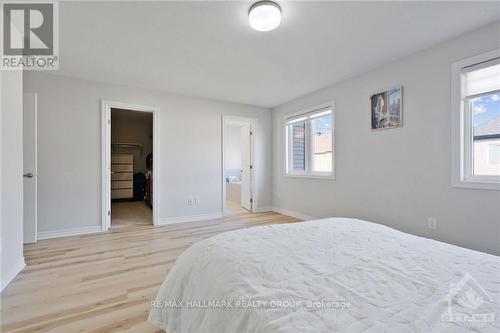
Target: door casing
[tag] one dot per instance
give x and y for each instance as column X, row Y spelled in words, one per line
column 246, row 167
column 106, row 107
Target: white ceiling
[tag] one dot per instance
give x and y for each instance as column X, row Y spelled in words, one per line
column 207, row 48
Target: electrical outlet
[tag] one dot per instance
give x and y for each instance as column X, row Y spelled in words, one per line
column 196, row 201
column 189, row 201
column 432, row 223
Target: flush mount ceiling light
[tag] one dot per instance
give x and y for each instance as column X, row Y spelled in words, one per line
column 264, row 15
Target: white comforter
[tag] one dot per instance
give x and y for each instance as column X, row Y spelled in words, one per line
column 363, row 277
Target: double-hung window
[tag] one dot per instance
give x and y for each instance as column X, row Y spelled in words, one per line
column 309, row 140
column 476, row 110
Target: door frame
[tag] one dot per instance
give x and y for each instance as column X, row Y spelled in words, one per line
column 253, row 171
column 106, row 107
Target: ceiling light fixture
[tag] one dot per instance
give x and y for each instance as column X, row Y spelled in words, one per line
column 264, row 15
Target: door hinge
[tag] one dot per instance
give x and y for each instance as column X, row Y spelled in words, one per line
column 251, row 200
column 109, row 121
column 251, row 132
column 109, row 213
column 251, row 166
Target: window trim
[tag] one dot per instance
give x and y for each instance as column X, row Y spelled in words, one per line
column 286, row 135
column 461, row 117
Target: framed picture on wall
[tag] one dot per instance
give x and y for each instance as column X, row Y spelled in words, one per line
column 387, row 109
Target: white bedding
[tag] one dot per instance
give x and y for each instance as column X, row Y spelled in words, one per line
column 372, row 278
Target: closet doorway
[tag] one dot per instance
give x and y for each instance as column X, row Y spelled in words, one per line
column 130, row 164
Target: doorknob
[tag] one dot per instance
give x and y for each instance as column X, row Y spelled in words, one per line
column 28, row 175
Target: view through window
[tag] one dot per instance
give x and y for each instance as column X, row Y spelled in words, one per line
column 309, row 147
column 483, row 98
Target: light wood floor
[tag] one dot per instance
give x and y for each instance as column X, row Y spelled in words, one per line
column 233, row 208
column 104, row 282
column 126, row 213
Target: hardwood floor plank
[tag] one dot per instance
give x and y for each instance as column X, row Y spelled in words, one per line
column 104, row 282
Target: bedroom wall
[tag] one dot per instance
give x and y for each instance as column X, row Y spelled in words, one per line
column 233, row 150
column 11, row 181
column 396, row 177
column 69, row 166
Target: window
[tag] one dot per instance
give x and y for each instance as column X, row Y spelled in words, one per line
column 309, row 143
column 476, row 110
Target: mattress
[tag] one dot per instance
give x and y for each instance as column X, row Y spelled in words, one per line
column 330, row 275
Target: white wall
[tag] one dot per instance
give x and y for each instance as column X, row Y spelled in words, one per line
column 233, row 147
column 397, row 177
column 69, row 178
column 12, row 261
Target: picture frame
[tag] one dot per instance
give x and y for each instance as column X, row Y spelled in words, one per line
column 386, row 109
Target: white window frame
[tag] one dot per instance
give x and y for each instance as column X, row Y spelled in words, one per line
column 308, row 173
column 462, row 140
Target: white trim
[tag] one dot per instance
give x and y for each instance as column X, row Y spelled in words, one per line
column 190, row 218
column 105, row 167
column 483, row 64
column 253, row 122
column 330, row 104
column 297, row 215
column 461, row 152
column 106, row 158
column 264, row 209
column 18, row 267
column 36, row 165
column 296, row 120
column 309, row 176
column 482, row 94
column 309, row 112
column 69, row 232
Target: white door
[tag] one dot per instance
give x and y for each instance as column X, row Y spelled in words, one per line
column 29, row 167
column 246, row 181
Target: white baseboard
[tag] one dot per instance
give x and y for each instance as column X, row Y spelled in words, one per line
column 18, row 267
column 190, row 218
column 297, row 215
column 263, row 209
column 69, row 232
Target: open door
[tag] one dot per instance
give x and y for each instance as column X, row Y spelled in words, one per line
column 30, row 167
column 246, row 172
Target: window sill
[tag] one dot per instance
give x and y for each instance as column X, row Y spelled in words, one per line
column 481, row 185
column 325, row 177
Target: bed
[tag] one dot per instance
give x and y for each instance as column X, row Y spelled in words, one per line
column 330, row 275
